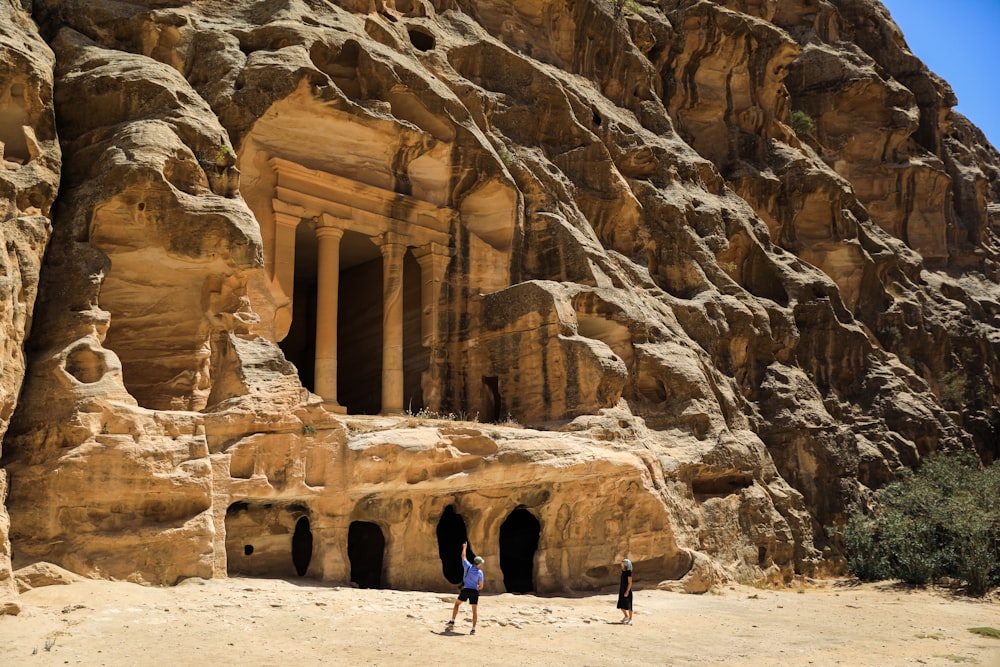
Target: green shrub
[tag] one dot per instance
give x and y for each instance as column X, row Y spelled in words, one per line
column 802, row 123
column 953, row 387
column 625, row 5
column 941, row 521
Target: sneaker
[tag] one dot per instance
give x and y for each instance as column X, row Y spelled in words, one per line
column 451, row 623
column 628, row 622
column 472, row 631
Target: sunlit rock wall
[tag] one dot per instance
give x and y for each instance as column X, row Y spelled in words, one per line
column 732, row 264
column 29, row 180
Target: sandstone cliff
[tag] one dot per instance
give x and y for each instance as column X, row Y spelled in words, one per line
column 690, row 278
column 29, row 180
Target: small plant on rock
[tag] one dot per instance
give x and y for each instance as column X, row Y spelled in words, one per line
column 802, row 123
column 224, row 156
column 953, row 387
column 621, row 6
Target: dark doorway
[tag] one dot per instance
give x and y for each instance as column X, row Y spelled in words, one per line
column 450, row 535
column 302, row 546
column 491, row 399
column 518, row 543
column 365, row 551
column 359, row 326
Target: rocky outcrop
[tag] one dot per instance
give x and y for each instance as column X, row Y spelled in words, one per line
column 687, row 279
column 41, row 574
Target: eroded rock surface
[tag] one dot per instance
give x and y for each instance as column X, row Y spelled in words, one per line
column 729, row 264
column 29, row 179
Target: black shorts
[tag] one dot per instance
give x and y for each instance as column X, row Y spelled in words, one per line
column 470, row 594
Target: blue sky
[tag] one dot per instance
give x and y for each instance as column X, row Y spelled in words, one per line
column 959, row 40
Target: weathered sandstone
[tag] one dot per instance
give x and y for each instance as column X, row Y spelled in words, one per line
column 29, row 179
column 41, row 574
column 607, row 298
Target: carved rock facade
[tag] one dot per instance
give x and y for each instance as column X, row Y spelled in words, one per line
column 275, row 219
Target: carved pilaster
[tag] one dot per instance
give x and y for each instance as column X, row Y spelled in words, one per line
column 286, row 221
column 392, row 322
column 281, row 267
column 433, row 259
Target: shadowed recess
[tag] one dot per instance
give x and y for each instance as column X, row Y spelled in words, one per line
column 518, row 543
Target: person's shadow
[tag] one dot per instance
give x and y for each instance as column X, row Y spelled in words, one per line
column 448, row 632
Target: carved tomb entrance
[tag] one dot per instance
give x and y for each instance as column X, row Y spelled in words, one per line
column 519, row 535
column 451, row 533
column 365, row 551
column 268, row 539
column 364, row 269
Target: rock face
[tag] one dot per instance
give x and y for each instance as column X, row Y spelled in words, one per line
column 680, row 281
column 29, row 179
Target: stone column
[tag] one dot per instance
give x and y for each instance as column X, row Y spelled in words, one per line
column 286, row 221
column 392, row 322
column 433, row 259
column 327, row 291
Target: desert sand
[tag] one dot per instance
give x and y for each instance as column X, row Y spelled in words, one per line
column 250, row 622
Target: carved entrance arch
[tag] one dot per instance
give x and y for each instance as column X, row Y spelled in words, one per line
column 519, row 535
column 451, row 534
column 365, row 551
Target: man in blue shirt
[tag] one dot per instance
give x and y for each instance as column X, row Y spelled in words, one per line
column 472, row 583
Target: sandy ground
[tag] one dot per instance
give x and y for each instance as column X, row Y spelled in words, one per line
column 249, row 622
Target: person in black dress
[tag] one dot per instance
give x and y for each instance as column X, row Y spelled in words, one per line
column 625, row 592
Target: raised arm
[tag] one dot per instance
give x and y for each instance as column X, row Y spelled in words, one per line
column 464, row 544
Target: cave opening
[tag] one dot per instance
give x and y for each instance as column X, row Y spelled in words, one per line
column 420, row 39
column 268, row 539
column 302, row 546
column 519, row 535
column 451, row 534
column 491, row 399
column 365, row 551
